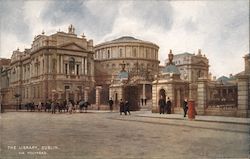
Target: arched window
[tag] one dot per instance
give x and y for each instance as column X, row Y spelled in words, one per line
column 72, row 65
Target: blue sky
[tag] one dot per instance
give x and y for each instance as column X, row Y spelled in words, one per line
column 219, row 28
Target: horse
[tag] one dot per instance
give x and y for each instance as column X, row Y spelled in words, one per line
column 47, row 106
column 30, row 106
column 85, row 106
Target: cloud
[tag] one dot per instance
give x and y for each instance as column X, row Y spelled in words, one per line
column 12, row 21
column 219, row 28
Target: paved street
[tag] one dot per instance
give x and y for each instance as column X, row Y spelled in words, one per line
column 108, row 135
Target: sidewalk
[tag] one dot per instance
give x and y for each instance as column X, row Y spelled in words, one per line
column 220, row 119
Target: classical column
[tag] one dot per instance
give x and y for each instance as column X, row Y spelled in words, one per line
column 49, row 64
column 68, row 71
column 143, row 91
column 85, row 66
column 67, row 95
column 62, row 66
column 82, row 66
column 86, row 96
column 57, row 64
column 98, row 99
column 75, row 69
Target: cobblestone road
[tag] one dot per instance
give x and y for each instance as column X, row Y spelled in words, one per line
column 27, row 135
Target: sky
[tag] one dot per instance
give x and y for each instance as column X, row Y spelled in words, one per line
column 220, row 28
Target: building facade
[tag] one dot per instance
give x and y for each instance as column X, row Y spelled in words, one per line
column 140, row 59
column 56, row 67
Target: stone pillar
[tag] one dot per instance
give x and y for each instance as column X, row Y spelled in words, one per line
column 45, row 68
column 155, row 97
column 62, row 65
column 202, row 96
column 67, row 95
column 243, row 95
column 57, row 64
column 143, row 91
column 85, row 66
column 82, row 66
column 76, row 95
column 86, row 96
column 98, row 99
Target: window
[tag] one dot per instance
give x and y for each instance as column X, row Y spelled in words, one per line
column 66, row 68
column 77, row 69
column 146, row 53
column 108, row 54
column 120, row 52
column 134, row 52
column 72, row 65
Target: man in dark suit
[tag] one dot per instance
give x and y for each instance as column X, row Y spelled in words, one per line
column 185, row 107
column 169, row 106
column 121, row 107
column 111, row 102
column 162, row 104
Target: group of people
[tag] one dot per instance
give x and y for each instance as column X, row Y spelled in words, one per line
column 63, row 106
column 124, row 107
column 165, row 107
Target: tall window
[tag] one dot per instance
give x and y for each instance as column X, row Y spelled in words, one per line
column 77, row 69
column 66, row 68
column 120, row 52
column 108, row 54
column 134, row 52
column 146, row 53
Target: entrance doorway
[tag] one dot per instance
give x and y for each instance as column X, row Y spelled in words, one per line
column 162, row 93
column 131, row 94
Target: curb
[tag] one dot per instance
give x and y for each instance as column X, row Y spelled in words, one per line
column 202, row 120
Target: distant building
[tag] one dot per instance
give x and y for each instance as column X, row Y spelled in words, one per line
column 56, row 67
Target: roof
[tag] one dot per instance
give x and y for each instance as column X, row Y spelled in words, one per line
column 171, row 69
column 123, row 75
column 185, row 53
column 126, row 39
column 225, row 80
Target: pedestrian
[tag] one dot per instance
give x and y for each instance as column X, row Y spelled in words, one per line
column 39, row 107
column 185, row 107
column 169, row 106
column 70, row 107
column 127, row 108
column 53, row 108
column 111, row 102
column 162, row 104
column 121, row 107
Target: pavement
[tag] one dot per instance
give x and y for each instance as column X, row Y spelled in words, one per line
column 219, row 119
column 149, row 114
column 109, row 135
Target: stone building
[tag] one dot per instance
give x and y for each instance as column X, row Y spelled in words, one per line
column 57, row 66
column 141, row 61
column 192, row 67
column 188, row 73
column 169, row 84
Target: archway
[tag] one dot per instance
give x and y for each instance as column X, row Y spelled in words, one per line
column 162, row 93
